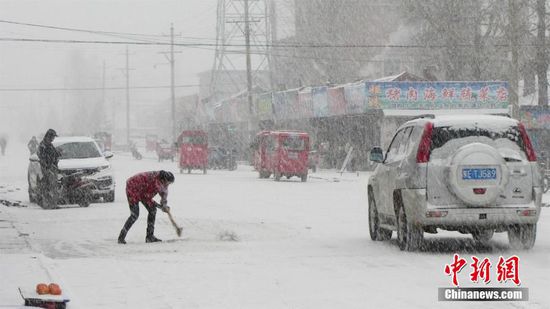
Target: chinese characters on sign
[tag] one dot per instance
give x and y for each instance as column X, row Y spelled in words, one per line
column 506, row 269
column 437, row 95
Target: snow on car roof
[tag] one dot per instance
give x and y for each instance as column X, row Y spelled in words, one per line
column 71, row 139
column 473, row 118
column 469, row 121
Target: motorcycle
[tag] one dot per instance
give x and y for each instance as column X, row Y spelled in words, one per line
column 135, row 153
column 69, row 189
column 75, row 189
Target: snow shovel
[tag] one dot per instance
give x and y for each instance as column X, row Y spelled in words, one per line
column 178, row 229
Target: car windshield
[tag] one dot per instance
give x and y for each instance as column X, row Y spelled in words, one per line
column 79, row 150
column 293, row 143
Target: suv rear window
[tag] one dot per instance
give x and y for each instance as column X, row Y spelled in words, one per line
column 442, row 135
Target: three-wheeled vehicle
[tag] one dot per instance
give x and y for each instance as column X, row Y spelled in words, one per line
column 165, row 151
column 260, row 160
column 193, row 150
column 286, row 154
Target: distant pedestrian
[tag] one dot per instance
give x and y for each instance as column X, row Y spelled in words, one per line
column 142, row 188
column 3, row 144
column 33, row 145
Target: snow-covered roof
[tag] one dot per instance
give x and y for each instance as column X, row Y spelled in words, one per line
column 403, row 76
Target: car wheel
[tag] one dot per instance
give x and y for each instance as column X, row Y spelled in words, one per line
column 522, row 236
column 376, row 233
column 277, row 176
column 408, row 236
column 483, row 236
column 304, row 177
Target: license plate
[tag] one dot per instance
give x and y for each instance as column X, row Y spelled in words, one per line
column 292, row 155
column 479, row 173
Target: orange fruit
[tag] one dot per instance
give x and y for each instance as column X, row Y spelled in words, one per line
column 42, row 289
column 54, row 289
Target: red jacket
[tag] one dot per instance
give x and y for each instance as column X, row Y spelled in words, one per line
column 143, row 187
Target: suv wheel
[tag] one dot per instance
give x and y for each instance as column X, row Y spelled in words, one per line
column 376, row 233
column 522, row 236
column 408, row 236
column 483, row 236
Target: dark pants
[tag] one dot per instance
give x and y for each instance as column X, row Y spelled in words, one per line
column 49, row 188
column 134, row 214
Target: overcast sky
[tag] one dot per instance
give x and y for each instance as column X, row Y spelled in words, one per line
column 48, row 65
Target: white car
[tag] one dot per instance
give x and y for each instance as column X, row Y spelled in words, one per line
column 78, row 154
column 473, row 174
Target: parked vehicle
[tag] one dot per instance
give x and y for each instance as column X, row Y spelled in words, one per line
column 104, row 140
column 260, row 154
column 286, row 154
column 84, row 175
column 165, row 151
column 193, row 151
column 472, row 174
column 221, row 158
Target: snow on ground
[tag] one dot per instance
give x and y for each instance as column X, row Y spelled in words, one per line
column 247, row 243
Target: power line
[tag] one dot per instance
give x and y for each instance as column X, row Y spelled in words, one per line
column 293, row 45
column 93, row 88
column 99, row 32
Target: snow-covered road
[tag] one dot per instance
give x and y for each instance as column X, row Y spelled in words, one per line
column 247, row 243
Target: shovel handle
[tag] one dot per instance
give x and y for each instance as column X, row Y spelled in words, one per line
column 178, row 229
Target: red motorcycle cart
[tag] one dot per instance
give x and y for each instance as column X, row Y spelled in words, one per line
column 193, row 150
column 286, row 154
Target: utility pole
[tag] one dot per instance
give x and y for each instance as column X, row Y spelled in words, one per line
column 103, row 98
column 172, row 62
column 541, row 56
column 248, row 61
column 103, row 87
column 513, row 11
column 172, row 86
column 127, row 97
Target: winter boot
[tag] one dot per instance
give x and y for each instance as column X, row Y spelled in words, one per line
column 122, row 236
column 152, row 239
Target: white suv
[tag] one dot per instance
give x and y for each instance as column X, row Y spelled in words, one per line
column 473, row 174
column 78, row 154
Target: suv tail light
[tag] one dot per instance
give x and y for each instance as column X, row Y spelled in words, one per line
column 423, row 154
column 529, row 150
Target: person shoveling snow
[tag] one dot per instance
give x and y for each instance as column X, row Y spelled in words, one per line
column 142, row 188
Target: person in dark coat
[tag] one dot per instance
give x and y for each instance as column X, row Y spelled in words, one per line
column 48, row 157
column 142, row 188
column 3, row 144
column 33, row 145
